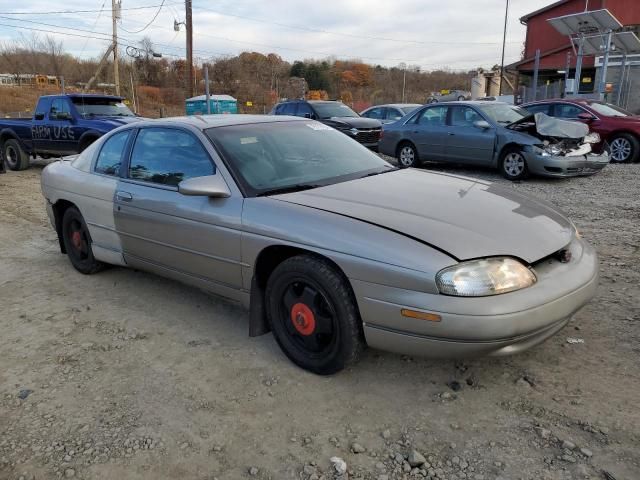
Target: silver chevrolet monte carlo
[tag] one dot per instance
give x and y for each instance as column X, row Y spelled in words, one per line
column 328, row 245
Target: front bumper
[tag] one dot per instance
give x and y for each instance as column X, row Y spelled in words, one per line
column 469, row 327
column 557, row 166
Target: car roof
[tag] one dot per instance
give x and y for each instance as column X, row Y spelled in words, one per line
column 477, row 103
column 575, row 101
column 397, row 105
column 203, row 122
column 83, row 95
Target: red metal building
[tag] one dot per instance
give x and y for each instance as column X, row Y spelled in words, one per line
column 554, row 47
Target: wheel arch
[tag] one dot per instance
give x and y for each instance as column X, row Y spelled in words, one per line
column 8, row 134
column 87, row 138
column 266, row 262
column 59, row 208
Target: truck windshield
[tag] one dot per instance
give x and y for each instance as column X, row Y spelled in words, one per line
column 103, row 107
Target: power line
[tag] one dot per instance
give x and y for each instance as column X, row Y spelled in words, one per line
column 352, row 35
column 86, row 11
column 148, row 24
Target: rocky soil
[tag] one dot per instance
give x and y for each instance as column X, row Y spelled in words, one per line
column 125, row 375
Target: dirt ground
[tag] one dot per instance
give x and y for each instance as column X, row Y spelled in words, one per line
column 125, row 375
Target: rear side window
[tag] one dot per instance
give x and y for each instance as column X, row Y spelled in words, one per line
column 288, row 109
column 542, row 108
column 464, row 116
column 110, row 156
column 564, row 110
column 433, row 116
column 377, row 113
column 167, row 156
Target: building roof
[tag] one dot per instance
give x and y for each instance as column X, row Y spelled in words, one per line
column 202, row 98
column 526, row 17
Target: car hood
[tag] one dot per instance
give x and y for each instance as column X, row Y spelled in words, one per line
column 350, row 122
column 463, row 217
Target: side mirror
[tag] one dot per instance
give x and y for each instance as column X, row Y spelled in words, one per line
column 482, row 124
column 586, row 116
column 209, row 186
column 38, row 116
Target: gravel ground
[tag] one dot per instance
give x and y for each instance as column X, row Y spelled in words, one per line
column 127, row 375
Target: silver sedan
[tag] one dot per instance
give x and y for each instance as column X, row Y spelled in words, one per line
column 328, row 245
column 494, row 134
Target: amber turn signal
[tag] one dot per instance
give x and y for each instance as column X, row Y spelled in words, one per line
column 430, row 317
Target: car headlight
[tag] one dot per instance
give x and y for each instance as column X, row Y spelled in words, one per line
column 592, row 137
column 489, row 276
column 551, row 150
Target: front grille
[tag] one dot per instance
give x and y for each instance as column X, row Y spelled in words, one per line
column 368, row 136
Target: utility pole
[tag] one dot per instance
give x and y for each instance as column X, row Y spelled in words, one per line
column 115, row 16
column 189, row 27
column 504, row 41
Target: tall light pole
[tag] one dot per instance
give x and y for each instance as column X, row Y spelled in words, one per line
column 504, row 42
column 115, row 16
column 403, row 66
column 189, row 28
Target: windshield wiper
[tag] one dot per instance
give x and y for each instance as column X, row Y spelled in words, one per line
column 379, row 172
column 289, row 189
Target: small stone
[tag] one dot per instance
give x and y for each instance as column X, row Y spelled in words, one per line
column 23, row 394
column 184, row 445
column 69, row 472
column 586, row 452
column 253, row 471
column 309, row 470
column 339, row 465
column 386, row 434
column 543, row 432
column 357, row 448
column 568, row 444
column 416, row 459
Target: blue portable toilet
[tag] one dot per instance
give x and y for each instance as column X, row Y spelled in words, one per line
column 219, row 104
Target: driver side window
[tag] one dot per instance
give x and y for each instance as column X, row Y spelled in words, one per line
column 167, row 156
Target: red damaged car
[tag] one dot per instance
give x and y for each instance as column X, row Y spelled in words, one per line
column 619, row 128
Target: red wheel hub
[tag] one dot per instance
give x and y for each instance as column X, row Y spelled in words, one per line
column 303, row 319
column 76, row 239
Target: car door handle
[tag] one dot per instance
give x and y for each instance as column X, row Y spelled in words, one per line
column 451, row 133
column 124, row 196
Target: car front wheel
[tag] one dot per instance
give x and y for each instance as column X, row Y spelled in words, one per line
column 625, row 148
column 513, row 165
column 407, row 155
column 313, row 315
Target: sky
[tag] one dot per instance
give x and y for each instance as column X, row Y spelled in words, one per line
column 430, row 34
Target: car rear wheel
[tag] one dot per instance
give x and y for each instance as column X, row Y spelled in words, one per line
column 313, row 315
column 14, row 156
column 513, row 165
column 77, row 242
column 461, row 98
column 624, row 148
column 407, row 155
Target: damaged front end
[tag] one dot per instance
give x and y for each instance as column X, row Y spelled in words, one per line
column 564, row 148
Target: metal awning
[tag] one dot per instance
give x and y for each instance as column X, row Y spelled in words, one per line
column 624, row 42
column 586, row 23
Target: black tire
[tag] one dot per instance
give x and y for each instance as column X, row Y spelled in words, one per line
column 313, row 315
column 461, row 98
column 86, row 142
column 625, row 148
column 14, row 156
column 432, row 100
column 77, row 242
column 512, row 164
column 407, row 155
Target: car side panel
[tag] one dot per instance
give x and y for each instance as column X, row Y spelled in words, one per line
column 93, row 195
column 361, row 250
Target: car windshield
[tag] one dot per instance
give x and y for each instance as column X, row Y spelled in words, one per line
column 103, row 107
column 609, row 110
column 334, row 109
column 503, row 113
column 278, row 157
column 409, row 108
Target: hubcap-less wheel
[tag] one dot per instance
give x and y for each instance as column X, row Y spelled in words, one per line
column 407, row 156
column 620, row 150
column 11, row 155
column 78, row 240
column 514, row 164
column 308, row 317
